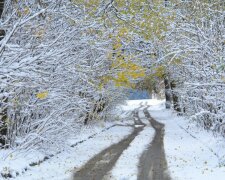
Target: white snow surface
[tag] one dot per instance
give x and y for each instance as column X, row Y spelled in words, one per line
column 192, row 153
column 63, row 165
column 134, row 104
column 18, row 162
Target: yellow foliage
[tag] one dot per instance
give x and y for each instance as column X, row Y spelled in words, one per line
column 160, row 72
column 42, row 95
column 223, row 78
column 176, row 61
column 128, row 71
column 123, row 32
column 26, row 10
column 40, row 33
column 117, row 46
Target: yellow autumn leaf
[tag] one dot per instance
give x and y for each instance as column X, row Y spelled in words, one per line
column 26, row 10
column 160, row 71
column 176, row 61
column 40, row 33
column 223, row 78
column 7, row 121
column 42, row 95
column 117, row 45
column 122, row 32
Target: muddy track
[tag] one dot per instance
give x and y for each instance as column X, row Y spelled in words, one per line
column 137, row 119
column 101, row 164
column 153, row 165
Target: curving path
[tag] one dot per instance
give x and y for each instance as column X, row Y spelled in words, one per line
column 152, row 165
column 101, row 164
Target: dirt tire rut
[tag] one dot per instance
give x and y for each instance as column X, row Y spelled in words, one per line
column 100, row 165
column 153, row 164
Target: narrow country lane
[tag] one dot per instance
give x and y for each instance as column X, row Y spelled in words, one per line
column 145, row 142
column 153, row 164
column 101, row 164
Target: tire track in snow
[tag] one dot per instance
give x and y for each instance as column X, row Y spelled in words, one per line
column 101, row 164
column 153, row 165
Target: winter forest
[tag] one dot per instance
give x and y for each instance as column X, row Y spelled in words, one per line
column 68, row 64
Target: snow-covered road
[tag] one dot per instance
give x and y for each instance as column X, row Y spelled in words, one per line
column 152, row 144
column 149, row 162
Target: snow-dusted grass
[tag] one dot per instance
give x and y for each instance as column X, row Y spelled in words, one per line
column 192, row 153
column 63, row 165
column 16, row 162
column 127, row 165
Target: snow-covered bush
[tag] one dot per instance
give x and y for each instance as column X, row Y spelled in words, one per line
column 196, row 43
column 53, row 58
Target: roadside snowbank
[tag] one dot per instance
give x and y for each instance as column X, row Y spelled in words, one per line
column 13, row 163
column 192, row 153
column 63, row 165
column 16, row 162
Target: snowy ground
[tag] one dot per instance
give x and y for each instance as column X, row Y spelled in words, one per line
column 62, row 165
column 192, row 153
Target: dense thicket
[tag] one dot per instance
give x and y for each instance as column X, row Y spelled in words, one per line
column 196, row 43
column 52, row 62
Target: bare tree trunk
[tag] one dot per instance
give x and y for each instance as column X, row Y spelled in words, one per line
column 3, row 123
column 1, row 7
column 99, row 106
column 3, row 109
column 2, row 32
column 167, row 92
column 176, row 104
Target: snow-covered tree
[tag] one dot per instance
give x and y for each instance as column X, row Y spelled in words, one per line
column 53, row 60
column 196, row 51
